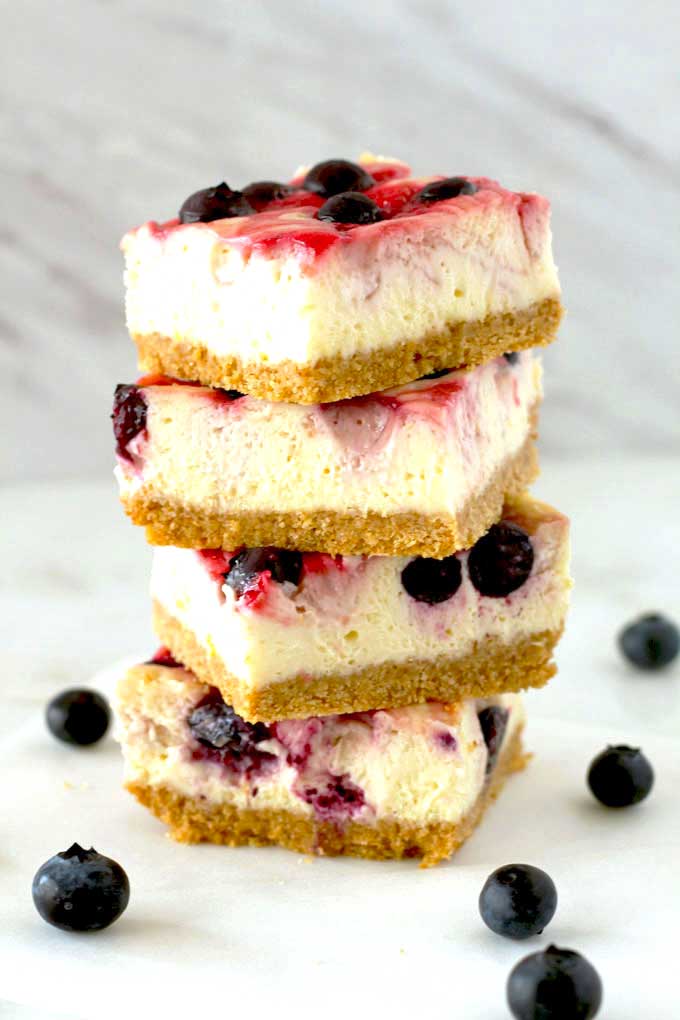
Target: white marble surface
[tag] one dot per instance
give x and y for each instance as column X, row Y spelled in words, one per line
column 113, row 112
column 72, row 596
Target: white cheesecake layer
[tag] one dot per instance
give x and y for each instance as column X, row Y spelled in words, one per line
column 342, row 619
column 222, row 285
column 424, row 764
column 426, row 448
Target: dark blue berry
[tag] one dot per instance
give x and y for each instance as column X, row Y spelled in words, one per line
column 350, row 207
column 432, row 581
column 78, row 716
column 129, row 417
column 218, row 203
column 227, row 738
column 451, row 187
column 518, row 901
column 620, row 776
column 435, row 375
column 501, row 561
column 650, row 642
column 80, row 890
column 282, row 564
column 493, row 721
column 512, row 357
column 229, row 395
column 556, row 984
column 261, row 193
column 335, row 175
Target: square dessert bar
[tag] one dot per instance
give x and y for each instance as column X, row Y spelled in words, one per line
column 420, row 469
column 409, row 782
column 286, row 634
column 355, row 277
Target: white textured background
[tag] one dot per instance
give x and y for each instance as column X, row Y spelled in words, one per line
column 112, row 112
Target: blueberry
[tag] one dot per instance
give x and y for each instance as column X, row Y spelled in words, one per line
column 620, row 776
column 229, row 395
column 650, row 642
column 80, row 890
column 261, row 193
column 493, row 721
column 556, row 984
column 432, row 581
column 512, row 357
column 218, row 203
column 518, row 901
column 501, row 561
column 435, row 375
column 451, row 187
column 78, row 716
column 129, row 417
column 350, row 207
column 226, row 738
column 282, row 564
column 336, row 175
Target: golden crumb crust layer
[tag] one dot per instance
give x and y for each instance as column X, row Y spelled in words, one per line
column 460, row 343
column 407, row 534
column 493, row 667
column 192, row 820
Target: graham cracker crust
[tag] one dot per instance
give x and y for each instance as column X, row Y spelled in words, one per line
column 492, row 667
column 191, row 820
column 458, row 344
column 406, row 534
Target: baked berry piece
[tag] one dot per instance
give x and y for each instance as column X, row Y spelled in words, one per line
column 650, row 642
column 80, row 890
column 78, row 716
column 518, row 901
column 620, row 776
column 556, row 984
column 501, row 561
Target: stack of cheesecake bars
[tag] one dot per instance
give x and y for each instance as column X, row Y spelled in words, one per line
column 330, row 449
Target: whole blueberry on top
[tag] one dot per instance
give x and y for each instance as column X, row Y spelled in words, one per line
column 80, row 890
column 432, row 581
column 350, row 207
column 261, row 193
column 501, row 561
column 556, row 984
column 335, row 175
column 282, row 564
column 650, row 642
column 450, row 187
column 620, row 776
column 218, row 203
column 78, row 716
column 518, row 901
column 128, row 416
column 493, row 721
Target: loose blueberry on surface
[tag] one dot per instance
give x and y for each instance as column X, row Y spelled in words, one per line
column 650, row 642
column 620, row 776
column 501, row 561
column 451, row 187
column 350, row 207
column 493, row 721
column 335, row 175
column 244, row 568
column 261, row 193
column 218, row 203
column 432, row 581
column 557, row 984
column 518, row 901
column 512, row 357
column 80, row 890
column 129, row 417
column 435, row 375
column 78, row 716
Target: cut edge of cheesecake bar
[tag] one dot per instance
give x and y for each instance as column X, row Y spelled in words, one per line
column 192, row 820
column 462, row 343
column 401, row 534
column 495, row 667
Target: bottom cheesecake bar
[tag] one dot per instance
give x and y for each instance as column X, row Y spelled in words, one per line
column 406, row 782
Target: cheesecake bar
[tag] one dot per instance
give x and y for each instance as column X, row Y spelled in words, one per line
column 353, row 278
column 408, row 782
column 285, row 634
column 421, row 469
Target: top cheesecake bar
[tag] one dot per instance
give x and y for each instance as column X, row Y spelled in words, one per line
column 355, row 277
